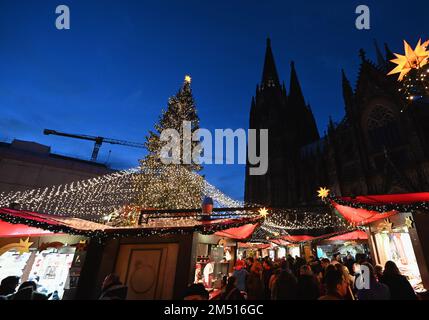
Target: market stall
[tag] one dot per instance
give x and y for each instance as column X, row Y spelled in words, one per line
column 348, row 244
column 397, row 226
column 41, row 256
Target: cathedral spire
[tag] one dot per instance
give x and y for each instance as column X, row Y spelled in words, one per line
column 269, row 75
column 389, row 53
column 295, row 92
column 380, row 58
column 347, row 91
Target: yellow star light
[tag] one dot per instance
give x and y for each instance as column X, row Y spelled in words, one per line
column 263, row 212
column 24, row 246
column 322, row 193
column 188, row 78
column 409, row 222
column 413, row 59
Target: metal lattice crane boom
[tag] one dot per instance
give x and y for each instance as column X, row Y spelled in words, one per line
column 98, row 141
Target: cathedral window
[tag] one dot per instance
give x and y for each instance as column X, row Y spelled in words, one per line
column 383, row 128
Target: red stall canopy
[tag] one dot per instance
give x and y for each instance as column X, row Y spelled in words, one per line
column 239, row 233
column 361, row 216
column 403, row 198
column 8, row 230
column 355, row 235
column 298, row 238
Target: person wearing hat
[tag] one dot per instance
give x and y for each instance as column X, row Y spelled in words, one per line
column 240, row 273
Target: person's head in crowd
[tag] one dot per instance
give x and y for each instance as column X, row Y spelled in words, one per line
column 196, row 291
column 231, row 283
column 378, row 270
column 305, row 270
column 343, row 269
column 336, row 257
column 28, row 284
column 330, row 267
column 25, row 291
column 325, row 263
column 256, row 268
column 110, row 280
column 240, row 264
column 250, row 261
column 8, row 285
column 267, row 264
column 361, row 258
column 284, row 265
column 390, row 268
column 335, row 282
column 372, row 276
column 316, row 267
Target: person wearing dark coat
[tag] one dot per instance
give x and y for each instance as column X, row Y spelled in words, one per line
column 231, row 290
column 266, row 276
column 28, row 291
column 254, row 283
column 376, row 290
column 400, row 288
column 8, row 285
column 308, row 287
column 285, row 287
column 112, row 289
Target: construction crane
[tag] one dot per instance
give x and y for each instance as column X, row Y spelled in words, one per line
column 98, row 141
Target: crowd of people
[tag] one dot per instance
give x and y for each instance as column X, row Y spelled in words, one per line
column 11, row 289
column 317, row 279
column 263, row 279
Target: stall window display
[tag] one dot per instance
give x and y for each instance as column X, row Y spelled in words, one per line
column 281, row 252
column 48, row 268
column 396, row 246
column 12, row 263
column 51, row 268
column 294, row 251
column 344, row 249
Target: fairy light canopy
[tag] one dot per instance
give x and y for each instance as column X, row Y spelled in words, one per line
column 100, row 198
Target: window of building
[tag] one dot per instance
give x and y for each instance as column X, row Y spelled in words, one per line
column 383, row 128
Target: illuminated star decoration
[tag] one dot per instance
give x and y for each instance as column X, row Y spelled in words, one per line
column 188, row 78
column 22, row 246
column 409, row 222
column 413, row 59
column 386, row 225
column 263, row 212
column 323, row 193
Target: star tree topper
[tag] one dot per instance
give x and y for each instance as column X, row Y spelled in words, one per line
column 188, row 78
column 413, row 59
column 323, row 193
column 263, row 212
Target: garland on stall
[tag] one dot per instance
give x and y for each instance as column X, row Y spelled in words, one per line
column 103, row 235
column 259, row 239
column 330, row 198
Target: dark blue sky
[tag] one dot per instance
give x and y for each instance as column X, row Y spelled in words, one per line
column 111, row 74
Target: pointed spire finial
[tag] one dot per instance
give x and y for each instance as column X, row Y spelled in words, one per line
column 380, row 59
column 295, row 91
column 389, row 53
column 362, row 54
column 270, row 76
column 343, row 73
